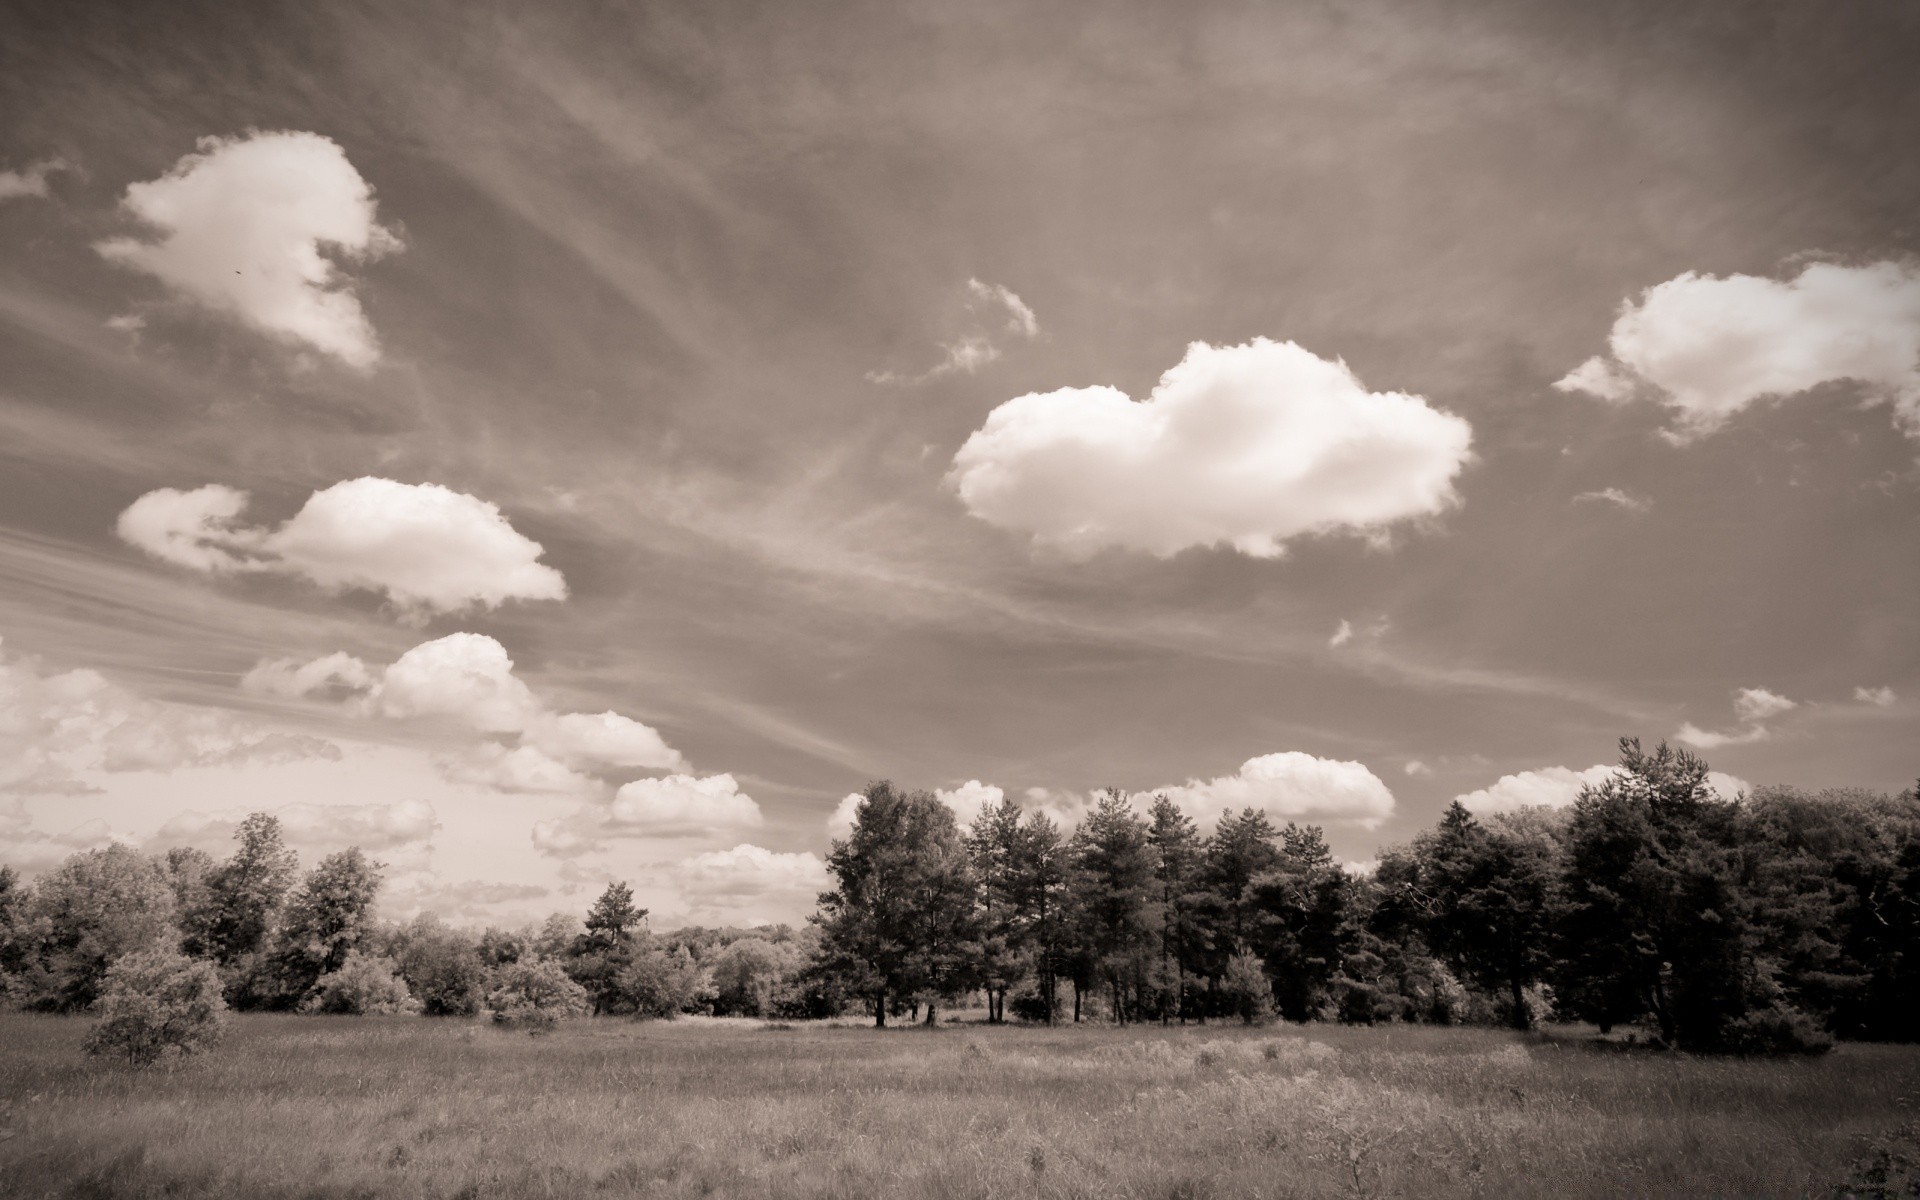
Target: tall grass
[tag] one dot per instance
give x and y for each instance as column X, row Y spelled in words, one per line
column 356, row 1107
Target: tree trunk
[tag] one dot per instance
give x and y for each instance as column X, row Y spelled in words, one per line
column 1076, row 1002
column 880, row 1009
column 929, row 1014
column 1520, row 1014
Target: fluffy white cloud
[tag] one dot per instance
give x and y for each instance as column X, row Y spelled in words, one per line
column 1617, row 498
column 607, row 738
column 1753, row 706
column 1552, row 787
column 1711, row 346
column 840, row 820
column 465, row 676
column 427, row 547
column 682, row 805
column 1290, row 786
column 245, row 226
column 29, row 180
column 1882, row 697
column 1759, row 704
column 1245, row 445
column 1558, row 787
column 1416, row 767
column 468, row 679
column 749, row 871
column 56, row 728
column 968, row 799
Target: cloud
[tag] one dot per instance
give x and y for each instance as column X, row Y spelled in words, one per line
column 1753, row 707
column 1416, row 767
column 57, row 728
column 1616, row 497
column 1552, row 787
column 427, row 547
column 1558, row 787
column 1290, row 786
column 1710, row 347
column 993, row 312
column 1342, row 635
column 678, row 806
column 749, row 872
column 467, row 680
column 968, row 799
column 30, row 180
column 245, row 225
column 840, row 820
column 1759, row 704
column 1245, row 445
column 1882, row 697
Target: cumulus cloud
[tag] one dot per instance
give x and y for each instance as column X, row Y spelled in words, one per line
column 840, row 820
column 677, row 806
column 1416, row 767
column 1753, row 707
column 1245, row 445
column 245, row 226
column 427, row 547
column 1558, row 787
column 1290, row 786
column 467, row 680
column 749, row 871
column 56, row 728
column 1551, row 787
column 969, row 799
column 30, row 180
column 1881, row 697
column 1614, row 496
column 1710, row 347
column 993, row 313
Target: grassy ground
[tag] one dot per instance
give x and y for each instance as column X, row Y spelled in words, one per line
column 338, row 1107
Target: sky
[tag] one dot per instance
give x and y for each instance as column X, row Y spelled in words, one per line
column 553, row 444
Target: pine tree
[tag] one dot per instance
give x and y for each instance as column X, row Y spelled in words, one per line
column 1114, row 889
column 1176, row 849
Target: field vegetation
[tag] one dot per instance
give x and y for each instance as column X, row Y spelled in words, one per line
column 321, row 1107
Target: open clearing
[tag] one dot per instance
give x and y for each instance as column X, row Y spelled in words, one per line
column 338, row 1107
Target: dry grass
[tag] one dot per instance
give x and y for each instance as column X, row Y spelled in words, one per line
column 336, row 1107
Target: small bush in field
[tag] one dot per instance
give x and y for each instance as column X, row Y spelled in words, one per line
column 1777, row 1029
column 535, row 995
column 1248, row 989
column 365, row 985
column 157, row 1002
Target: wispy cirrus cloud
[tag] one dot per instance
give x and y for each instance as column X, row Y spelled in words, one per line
column 995, row 313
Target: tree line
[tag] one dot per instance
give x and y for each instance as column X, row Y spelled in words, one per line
column 1764, row 922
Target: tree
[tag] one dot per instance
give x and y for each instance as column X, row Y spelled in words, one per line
column 1487, row 895
column 993, row 848
column 613, row 916
column 901, row 914
column 1037, row 895
column 750, row 974
column 80, row 917
column 1299, row 920
column 245, row 892
column 188, row 868
column 157, row 1001
column 598, row 957
column 1175, row 842
column 1247, row 990
column 657, row 982
column 1240, row 850
column 535, row 994
column 441, row 966
column 325, row 919
column 1114, row 892
column 365, row 985
column 1654, row 920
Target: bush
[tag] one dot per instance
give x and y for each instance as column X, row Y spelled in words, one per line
column 1777, row 1029
column 1247, row 990
column 366, row 985
column 534, row 995
column 1026, row 1003
column 158, row 1002
column 661, row 984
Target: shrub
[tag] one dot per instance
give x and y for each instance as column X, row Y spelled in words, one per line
column 534, row 995
column 1777, row 1029
column 157, row 1002
column 365, row 985
column 662, row 984
column 1026, row 1003
column 1247, row 990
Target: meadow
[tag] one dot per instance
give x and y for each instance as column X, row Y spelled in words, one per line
column 317, row 1107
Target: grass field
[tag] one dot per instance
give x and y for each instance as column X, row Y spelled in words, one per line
column 349, row 1107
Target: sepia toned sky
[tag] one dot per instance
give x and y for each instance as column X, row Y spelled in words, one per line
column 553, row 444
